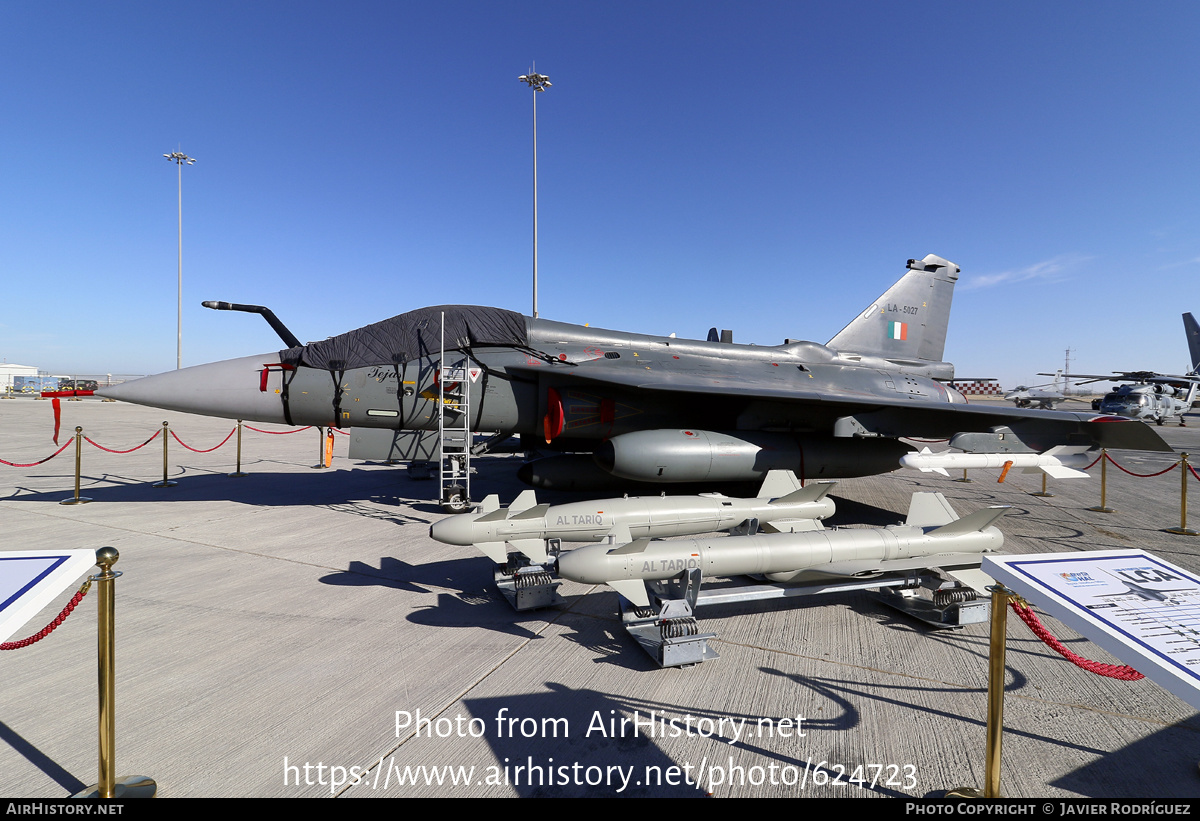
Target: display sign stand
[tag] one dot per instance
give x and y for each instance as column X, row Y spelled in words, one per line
column 1138, row 607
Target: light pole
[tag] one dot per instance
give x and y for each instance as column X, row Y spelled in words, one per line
column 179, row 158
column 537, row 82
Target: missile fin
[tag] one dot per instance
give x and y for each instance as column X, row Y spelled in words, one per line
column 791, row 526
column 1060, row 472
column 1067, row 450
column 633, row 547
column 535, row 549
column 490, row 504
column 747, row 528
column 497, row 515
column 778, row 483
column 526, row 500
column 811, row 493
column 929, row 510
column 973, row 577
column 632, row 589
column 535, row 512
column 973, row 522
column 620, row 534
column 496, row 551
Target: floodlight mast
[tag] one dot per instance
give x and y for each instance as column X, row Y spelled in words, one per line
column 537, row 82
column 179, row 158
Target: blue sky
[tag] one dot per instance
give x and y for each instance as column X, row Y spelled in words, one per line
column 760, row 166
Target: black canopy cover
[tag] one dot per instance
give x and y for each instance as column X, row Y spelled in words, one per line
column 410, row 336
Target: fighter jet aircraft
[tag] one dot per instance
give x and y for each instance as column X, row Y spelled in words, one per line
column 646, row 408
column 1038, row 396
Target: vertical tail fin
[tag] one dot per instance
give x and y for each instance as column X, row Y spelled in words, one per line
column 908, row 322
column 1193, row 337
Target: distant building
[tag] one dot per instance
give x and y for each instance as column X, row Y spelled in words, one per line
column 979, row 387
column 14, row 377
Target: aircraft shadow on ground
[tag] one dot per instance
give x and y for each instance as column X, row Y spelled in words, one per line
column 486, row 612
column 558, row 740
column 582, row 730
column 345, row 487
column 1127, row 781
column 1162, row 765
column 609, row 642
column 976, row 642
column 468, row 575
column 476, row 605
column 479, row 605
column 973, row 642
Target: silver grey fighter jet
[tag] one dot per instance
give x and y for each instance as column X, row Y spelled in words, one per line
column 1038, row 396
column 634, row 407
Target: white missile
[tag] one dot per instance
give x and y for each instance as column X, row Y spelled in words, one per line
column 932, row 536
column 1062, row 462
column 524, row 526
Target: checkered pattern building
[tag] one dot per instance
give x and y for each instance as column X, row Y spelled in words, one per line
column 979, row 387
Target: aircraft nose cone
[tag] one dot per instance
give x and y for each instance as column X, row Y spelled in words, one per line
column 230, row 389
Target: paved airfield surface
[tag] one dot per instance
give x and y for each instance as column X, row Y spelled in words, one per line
column 269, row 629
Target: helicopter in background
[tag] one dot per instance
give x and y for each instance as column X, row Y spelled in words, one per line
column 1153, row 397
column 1150, row 397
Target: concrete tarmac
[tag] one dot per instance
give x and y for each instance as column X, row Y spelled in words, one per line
column 278, row 634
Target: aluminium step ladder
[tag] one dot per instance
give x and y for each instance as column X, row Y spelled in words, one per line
column 454, row 429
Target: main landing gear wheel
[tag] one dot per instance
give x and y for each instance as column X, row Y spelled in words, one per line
column 454, row 499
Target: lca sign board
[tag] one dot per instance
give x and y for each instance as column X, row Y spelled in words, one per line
column 1143, row 610
column 30, row 579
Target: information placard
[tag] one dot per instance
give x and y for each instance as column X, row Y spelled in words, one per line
column 30, row 579
column 1143, row 610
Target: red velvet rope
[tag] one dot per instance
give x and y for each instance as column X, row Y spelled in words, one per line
column 49, row 628
column 131, row 450
column 40, row 461
column 155, row 436
column 1119, row 671
column 197, row 450
column 1141, row 475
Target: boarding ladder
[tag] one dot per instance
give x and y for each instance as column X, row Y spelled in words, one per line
column 454, row 428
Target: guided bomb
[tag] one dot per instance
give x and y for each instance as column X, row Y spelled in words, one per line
column 932, row 535
column 524, row 526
